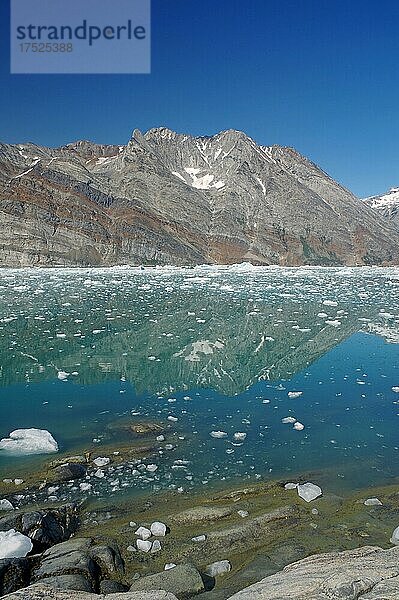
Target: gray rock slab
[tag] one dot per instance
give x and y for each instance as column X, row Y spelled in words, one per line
column 369, row 573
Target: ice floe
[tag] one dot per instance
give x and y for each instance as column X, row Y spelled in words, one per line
column 309, row 491
column 14, row 544
column 29, row 441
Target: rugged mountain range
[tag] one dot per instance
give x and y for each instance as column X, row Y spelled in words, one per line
column 386, row 204
column 167, row 198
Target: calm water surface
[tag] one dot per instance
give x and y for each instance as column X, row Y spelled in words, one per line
column 218, row 349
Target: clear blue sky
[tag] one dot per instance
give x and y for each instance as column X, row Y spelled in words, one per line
column 319, row 75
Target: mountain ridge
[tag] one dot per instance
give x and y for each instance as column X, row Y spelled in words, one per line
column 172, row 198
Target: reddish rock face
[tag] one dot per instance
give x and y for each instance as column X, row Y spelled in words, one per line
column 166, row 198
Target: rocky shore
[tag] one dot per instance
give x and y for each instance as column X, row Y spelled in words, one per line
column 269, row 540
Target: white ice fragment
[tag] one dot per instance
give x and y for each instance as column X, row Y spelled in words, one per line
column 14, row 545
column 143, row 532
column 156, row 546
column 158, row 529
column 62, row 375
column 101, row 461
column 330, row 303
column 294, row 394
column 99, row 474
column 242, row 513
column 394, row 539
column 18, row 481
column 299, row 426
column 132, row 524
column 309, row 491
column 290, row 486
column 395, row 389
column 239, row 436
column 143, row 545
column 173, row 419
column 152, row 468
column 198, row 538
column 6, row 505
column 288, row 420
column 160, row 438
column 218, row 434
column 372, row 502
column 169, row 566
column 85, row 487
column 29, row 441
column 334, row 323
column 218, row 568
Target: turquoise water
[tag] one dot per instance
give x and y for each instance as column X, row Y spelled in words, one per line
column 218, row 349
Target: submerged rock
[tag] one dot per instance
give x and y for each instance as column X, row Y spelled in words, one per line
column 200, row 514
column 309, row 491
column 183, row 581
column 69, row 471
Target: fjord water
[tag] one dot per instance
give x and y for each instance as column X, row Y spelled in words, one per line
column 219, row 349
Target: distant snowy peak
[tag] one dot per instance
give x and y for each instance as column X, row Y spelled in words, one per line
column 386, row 204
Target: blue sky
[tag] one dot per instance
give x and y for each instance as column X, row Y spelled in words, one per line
column 319, row 75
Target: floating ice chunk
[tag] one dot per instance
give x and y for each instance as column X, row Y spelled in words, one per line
column 101, row 461
column 160, row 438
column 322, row 315
column 143, row 545
column 294, row 394
column 309, row 491
column 85, row 487
column 169, row 566
column 158, row 529
column 291, row 486
column 14, row 545
column 395, row 389
column 330, row 303
column 198, row 538
column 156, row 546
column 239, row 436
column 242, row 513
column 299, row 426
column 143, row 532
column 29, row 441
column 173, row 419
column 218, row 568
column 334, row 323
column 62, row 375
column 372, row 502
column 99, row 474
column 152, row 468
column 6, row 505
column 218, row 434
column 394, row 539
column 288, row 420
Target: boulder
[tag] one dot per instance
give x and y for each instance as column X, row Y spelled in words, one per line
column 14, row 574
column 183, row 580
column 369, row 573
column 78, row 564
column 44, row 527
column 112, row 587
column 69, row 471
